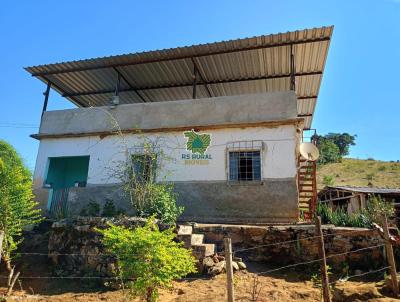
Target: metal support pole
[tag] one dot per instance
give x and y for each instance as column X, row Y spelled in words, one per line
column 390, row 257
column 117, row 85
column 229, row 269
column 46, row 97
column 194, row 80
column 324, row 272
column 292, row 70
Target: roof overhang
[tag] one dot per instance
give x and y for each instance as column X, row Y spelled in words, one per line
column 244, row 66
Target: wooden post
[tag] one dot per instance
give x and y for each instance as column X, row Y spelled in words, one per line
column 324, row 272
column 390, row 257
column 1, row 244
column 229, row 269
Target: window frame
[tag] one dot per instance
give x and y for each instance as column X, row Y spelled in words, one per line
column 244, row 146
column 153, row 162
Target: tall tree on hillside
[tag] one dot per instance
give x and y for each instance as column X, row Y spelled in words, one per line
column 343, row 141
column 333, row 146
column 17, row 207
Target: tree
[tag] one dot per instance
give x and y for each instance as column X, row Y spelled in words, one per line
column 329, row 152
column 333, row 146
column 18, row 210
column 148, row 258
column 343, row 141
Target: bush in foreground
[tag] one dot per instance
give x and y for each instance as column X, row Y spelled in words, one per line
column 148, row 258
column 17, row 207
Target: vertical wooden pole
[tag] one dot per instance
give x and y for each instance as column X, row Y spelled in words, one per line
column 324, row 272
column 390, row 257
column 1, row 243
column 229, row 269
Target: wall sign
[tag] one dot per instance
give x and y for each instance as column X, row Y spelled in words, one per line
column 197, row 145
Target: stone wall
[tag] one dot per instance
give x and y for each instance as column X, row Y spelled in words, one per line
column 78, row 236
column 301, row 247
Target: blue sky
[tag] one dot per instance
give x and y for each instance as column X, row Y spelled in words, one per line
column 359, row 92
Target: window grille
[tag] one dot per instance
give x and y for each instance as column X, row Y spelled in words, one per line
column 244, row 161
column 144, row 166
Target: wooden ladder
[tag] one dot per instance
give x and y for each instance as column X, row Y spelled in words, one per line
column 307, row 186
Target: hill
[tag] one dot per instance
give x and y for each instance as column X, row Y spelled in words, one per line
column 357, row 172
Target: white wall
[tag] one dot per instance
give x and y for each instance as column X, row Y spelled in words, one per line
column 279, row 160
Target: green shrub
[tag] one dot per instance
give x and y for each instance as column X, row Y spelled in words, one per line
column 148, row 256
column 161, row 203
column 328, row 180
column 109, row 209
column 377, row 207
column 93, row 209
column 340, row 217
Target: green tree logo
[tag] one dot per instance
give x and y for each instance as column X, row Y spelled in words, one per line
column 197, row 143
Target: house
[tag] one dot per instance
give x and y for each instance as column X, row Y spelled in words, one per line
column 353, row 199
column 229, row 116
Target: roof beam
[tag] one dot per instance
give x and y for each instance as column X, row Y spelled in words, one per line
column 105, row 91
column 181, row 56
column 129, row 84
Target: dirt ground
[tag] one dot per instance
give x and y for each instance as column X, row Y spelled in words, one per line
column 281, row 287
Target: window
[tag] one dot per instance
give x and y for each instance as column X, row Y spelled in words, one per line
column 244, row 161
column 144, row 166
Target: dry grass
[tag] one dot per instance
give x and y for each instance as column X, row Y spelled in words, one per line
column 356, row 172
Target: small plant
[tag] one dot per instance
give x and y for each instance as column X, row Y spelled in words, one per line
column 382, row 168
column 149, row 259
column 316, row 279
column 109, row 209
column 93, row 209
column 328, row 180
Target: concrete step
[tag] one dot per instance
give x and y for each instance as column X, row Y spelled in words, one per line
column 190, row 239
column 185, row 229
column 203, row 250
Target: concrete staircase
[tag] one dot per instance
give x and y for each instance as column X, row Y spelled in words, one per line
column 195, row 242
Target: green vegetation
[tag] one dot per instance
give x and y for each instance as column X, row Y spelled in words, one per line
column 149, row 197
column 18, row 210
column 149, row 256
column 334, row 146
column 328, row 180
column 376, row 209
column 356, row 172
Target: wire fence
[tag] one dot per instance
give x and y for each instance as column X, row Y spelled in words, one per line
column 315, row 239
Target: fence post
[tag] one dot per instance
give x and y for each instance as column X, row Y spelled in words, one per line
column 324, row 272
column 229, row 269
column 390, row 257
column 1, row 243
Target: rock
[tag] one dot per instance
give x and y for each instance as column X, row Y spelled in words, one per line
column 208, row 262
column 242, row 265
column 237, row 259
column 215, row 259
column 218, row 268
column 235, row 266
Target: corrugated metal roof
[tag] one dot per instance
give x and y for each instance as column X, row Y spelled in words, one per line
column 367, row 190
column 243, row 66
